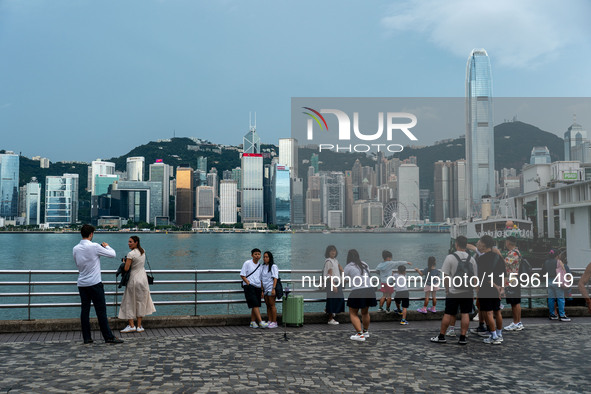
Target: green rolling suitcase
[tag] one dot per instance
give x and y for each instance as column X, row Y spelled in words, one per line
column 293, row 310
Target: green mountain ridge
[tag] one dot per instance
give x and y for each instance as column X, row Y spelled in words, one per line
column 513, row 144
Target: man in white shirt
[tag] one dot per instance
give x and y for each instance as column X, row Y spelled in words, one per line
column 87, row 257
column 252, row 285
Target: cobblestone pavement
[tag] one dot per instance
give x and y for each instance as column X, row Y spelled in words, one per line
column 542, row 358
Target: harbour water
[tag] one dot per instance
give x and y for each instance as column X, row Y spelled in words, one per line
column 197, row 251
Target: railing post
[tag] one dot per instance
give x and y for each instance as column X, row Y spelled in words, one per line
column 195, row 313
column 29, row 303
column 529, row 299
column 116, row 293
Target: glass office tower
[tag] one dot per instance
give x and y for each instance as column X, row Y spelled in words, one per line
column 282, row 196
column 61, row 200
column 480, row 148
column 252, row 188
column 9, row 171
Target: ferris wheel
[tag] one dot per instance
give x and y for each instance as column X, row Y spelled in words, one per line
column 395, row 215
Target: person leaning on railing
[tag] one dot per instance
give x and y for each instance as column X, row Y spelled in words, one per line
column 583, row 282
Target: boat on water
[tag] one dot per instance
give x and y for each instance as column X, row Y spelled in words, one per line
column 532, row 248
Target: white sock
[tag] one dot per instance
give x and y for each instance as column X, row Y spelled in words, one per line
column 500, row 332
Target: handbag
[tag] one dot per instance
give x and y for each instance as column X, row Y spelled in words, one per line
column 278, row 289
column 150, row 275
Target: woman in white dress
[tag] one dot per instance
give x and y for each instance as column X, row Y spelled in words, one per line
column 136, row 302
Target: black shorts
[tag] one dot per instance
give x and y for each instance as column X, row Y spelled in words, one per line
column 362, row 298
column 490, row 304
column 253, row 296
column 402, row 298
column 453, row 302
column 513, row 301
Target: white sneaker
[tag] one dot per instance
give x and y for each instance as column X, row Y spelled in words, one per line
column 366, row 334
column 333, row 322
column 140, row 329
column 358, row 337
column 475, row 318
column 451, row 332
column 129, row 329
column 519, row 327
column 263, row 324
column 510, row 327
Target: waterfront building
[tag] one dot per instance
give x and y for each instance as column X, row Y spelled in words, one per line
column 269, row 193
column 425, row 200
column 408, row 190
column 228, row 201
column 480, row 154
column 368, row 214
column 33, row 203
column 102, row 183
column 135, row 168
column 138, row 201
column 540, row 155
column 161, row 172
column 332, row 196
column 205, row 202
column 349, row 198
column 252, row 187
column 96, row 168
column 184, row 196
column 61, row 200
column 22, row 209
column 9, row 181
column 450, row 190
column 288, row 155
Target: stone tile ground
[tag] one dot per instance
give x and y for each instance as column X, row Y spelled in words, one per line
column 542, row 358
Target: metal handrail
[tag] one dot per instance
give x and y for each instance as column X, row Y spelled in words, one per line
column 30, row 283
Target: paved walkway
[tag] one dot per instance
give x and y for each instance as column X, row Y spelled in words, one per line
column 545, row 357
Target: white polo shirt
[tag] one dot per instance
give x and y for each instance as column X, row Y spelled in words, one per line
column 87, row 257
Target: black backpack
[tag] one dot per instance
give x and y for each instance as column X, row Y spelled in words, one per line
column 464, row 268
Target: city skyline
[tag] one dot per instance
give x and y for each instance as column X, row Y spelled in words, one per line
column 156, row 73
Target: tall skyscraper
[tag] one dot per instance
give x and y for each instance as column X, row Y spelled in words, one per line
column 202, row 164
column 251, row 142
column 313, row 206
column 135, row 168
column 288, row 155
column 61, row 200
column 98, row 167
column 577, row 147
column 540, row 155
column 212, row 180
column 480, row 147
column 252, row 188
column 184, row 196
column 33, row 202
column 160, row 172
column 282, row 195
column 332, row 195
column 314, row 162
column 205, row 202
column 297, row 201
column 228, row 201
column 9, row 179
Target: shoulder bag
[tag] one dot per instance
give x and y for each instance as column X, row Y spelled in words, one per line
column 150, row 275
column 255, row 270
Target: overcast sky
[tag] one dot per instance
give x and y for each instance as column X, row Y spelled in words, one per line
column 82, row 79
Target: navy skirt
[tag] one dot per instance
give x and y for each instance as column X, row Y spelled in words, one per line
column 335, row 302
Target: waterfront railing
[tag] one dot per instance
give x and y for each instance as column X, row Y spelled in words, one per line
column 197, row 291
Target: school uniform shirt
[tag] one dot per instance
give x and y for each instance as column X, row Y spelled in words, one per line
column 87, row 257
column 247, row 268
column 267, row 277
